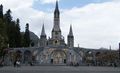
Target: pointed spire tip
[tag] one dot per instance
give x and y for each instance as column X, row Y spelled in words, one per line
column 71, row 32
column 43, row 30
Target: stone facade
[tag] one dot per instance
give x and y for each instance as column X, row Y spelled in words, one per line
column 54, row 50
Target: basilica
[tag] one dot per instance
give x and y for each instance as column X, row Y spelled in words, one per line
column 54, row 50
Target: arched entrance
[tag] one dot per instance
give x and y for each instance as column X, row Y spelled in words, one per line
column 58, row 57
column 27, row 56
column 18, row 55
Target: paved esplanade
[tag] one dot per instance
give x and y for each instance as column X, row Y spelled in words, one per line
column 59, row 69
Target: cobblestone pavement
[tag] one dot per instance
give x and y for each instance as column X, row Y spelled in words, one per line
column 59, row 69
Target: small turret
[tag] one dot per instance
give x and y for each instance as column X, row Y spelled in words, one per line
column 70, row 32
column 43, row 31
column 70, row 38
column 43, row 39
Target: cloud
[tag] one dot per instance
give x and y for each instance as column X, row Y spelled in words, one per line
column 116, row 0
column 94, row 25
column 13, row 4
column 47, row 1
column 22, row 10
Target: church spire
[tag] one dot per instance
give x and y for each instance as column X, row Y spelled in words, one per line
column 56, row 8
column 56, row 12
column 70, row 32
column 56, row 31
column 43, row 31
column 43, row 40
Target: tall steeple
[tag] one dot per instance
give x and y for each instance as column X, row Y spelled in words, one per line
column 56, row 31
column 43, row 31
column 70, row 38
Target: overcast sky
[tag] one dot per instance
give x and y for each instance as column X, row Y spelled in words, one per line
column 96, row 23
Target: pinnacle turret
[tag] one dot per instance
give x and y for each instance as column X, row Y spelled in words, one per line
column 70, row 38
column 43, row 31
column 70, row 32
column 43, row 40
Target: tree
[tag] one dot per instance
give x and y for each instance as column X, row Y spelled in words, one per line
column 27, row 36
column 8, row 23
column 3, row 37
column 17, row 34
column 12, row 35
column 1, row 11
column 8, row 16
column 9, row 32
column 1, row 34
column 13, row 30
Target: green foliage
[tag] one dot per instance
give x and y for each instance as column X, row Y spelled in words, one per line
column 27, row 36
column 11, row 29
column 3, row 37
column 17, row 34
column 1, row 11
column 10, row 35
